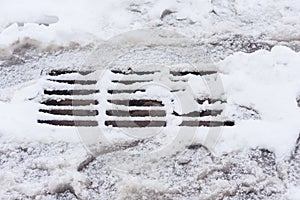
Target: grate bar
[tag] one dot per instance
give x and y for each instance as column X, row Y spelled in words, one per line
column 70, row 92
column 207, row 123
column 72, row 82
column 200, row 113
column 136, row 113
column 69, row 123
column 133, row 72
column 71, row 112
column 140, row 102
column 133, row 124
column 125, row 91
column 210, row 101
column 61, row 72
column 129, row 82
column 199, row 73
column 69, row 102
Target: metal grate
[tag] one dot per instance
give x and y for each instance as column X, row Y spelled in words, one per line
column 74, row 98
column 63, row 105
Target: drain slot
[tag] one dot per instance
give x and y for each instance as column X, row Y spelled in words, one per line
column 134, row 124
column 144, row 102
column 200, row 113
column 199, row 73
column 59, row 104
column 136, row 113
column 72, row 82
column 69, row 102
column 133, row 72
column 210, row 101
column 125, row 91
column 70, row 92
column 61, row 72
column 129, row 82
column 69, row 122
column 70, row 112
column 207, row 123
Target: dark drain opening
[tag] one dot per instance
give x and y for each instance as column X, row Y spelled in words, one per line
column 199, row 73
column 71, row 112
column 69, row 122
column 70, row 92
column 61, row 72
column 69, row 102
column 210, row 101
column 133, row 124
column 178, row 90
column 140, row 102
column 207, row 123
column 125, row 91
column 136, row 113
column 133, row 72
column 72, row 82
column 200, row 113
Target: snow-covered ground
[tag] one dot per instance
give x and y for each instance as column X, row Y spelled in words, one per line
column 254, row 47
column 84, row 21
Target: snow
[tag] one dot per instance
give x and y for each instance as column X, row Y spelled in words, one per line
column 261, row 89
column 63, row 22
column 269, row 83
column 293, row 193
column 264, row 81
column 18, row 116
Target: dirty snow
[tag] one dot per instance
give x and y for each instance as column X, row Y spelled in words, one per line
column 65, row 22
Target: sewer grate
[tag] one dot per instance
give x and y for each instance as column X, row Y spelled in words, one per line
column 69, row 99
column 76, row 98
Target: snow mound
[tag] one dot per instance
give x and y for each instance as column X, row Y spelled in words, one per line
column 269, row 83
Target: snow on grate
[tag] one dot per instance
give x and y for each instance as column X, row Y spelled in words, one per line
column 62, row 102
column 128, row 99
